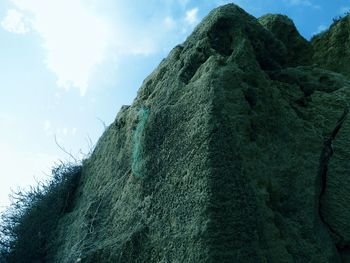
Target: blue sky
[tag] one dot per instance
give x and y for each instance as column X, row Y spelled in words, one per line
column 65, row 64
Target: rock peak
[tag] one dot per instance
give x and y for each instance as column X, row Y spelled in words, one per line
column 299, row 50
column 331, row 47
column 222, row 155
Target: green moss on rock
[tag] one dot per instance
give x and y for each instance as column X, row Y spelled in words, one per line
column 331, row 48
column 230, row 155
column 298, row 48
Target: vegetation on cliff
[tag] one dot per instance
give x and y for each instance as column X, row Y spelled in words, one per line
column 236, row 149
column 29, row 224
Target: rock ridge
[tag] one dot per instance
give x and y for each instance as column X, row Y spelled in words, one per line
column 218, row 157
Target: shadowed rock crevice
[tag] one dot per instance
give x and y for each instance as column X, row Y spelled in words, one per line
column 192, row 62
column 220, row 36
column 326, row 155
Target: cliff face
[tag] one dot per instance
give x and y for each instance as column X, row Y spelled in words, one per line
column 235, row 150
column 299, row 51
column 332, row 47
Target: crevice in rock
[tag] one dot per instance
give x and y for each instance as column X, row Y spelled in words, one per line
column 325, row 158
column 251, row 96
column 220, row 36
column 192, row 64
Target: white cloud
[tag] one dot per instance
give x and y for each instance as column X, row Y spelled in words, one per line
column 65, row 131
column 192, row 16
column 57, row 95
column 78, row 37
column 145, row 46
column 14, row 22
column 75, row 38
column 320, row 28
column 169, row 22
column 59, row 133
column 303, row 3
column 47, row 126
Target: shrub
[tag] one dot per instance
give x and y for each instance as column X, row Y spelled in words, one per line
column 339, row 18
column 31, row 220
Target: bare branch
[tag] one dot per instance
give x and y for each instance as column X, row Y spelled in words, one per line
column 65, row 151
column 103, row 123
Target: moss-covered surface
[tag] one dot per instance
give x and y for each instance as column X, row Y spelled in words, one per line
column 331, row 48
column 230, row 157
column 299, row 51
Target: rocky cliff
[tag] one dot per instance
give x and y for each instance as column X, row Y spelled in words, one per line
column 236, row 149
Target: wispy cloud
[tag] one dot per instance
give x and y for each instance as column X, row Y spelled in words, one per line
column 192, row 16
column 58, row 132
column 75, row 38
column 307, row 3
column 14, row 22
column 320, row 29
column 169, row 22
column 47, row 126
column 78, row 37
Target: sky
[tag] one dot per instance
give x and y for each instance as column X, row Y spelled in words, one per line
column 67, row 66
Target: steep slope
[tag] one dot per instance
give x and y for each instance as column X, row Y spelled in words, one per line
column 222, row 157
column 332, row 47
column 299, row 51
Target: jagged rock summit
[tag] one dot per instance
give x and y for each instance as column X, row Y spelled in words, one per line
column 298, row 49
column 236, row 149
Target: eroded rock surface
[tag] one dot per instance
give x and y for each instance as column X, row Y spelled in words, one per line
column 226, row 137
column 331, row 47
column 299, row 51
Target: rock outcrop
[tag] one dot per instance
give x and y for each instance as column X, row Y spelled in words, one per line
column 331, row 47
column 228, row 154
column 299, row 51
